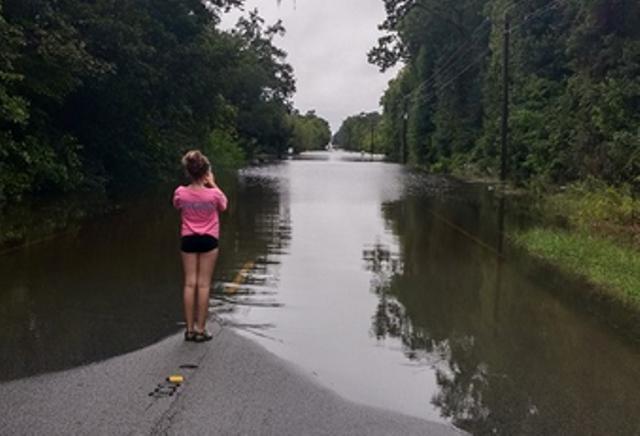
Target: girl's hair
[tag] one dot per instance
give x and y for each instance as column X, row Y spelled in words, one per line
column 196, row 164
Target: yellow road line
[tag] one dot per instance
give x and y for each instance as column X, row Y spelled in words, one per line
column 240, row 277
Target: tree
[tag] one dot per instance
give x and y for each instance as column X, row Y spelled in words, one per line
column 309, row 132
column 574, row 82
column 102, row 94
column 361, row 133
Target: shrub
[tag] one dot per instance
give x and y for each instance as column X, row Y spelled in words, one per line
column 224, row 150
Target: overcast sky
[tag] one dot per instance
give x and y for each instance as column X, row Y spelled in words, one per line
column 327, row 43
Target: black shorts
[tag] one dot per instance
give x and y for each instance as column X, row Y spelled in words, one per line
column 198, row 243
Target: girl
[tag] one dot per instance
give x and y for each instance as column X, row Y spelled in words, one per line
column 200, row 204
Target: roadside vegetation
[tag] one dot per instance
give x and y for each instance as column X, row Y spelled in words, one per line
column 591, row 230
column 574, row 77
column 599, row 260
column 98, row 94
column 309, row 132
column 574, row 80
column 596, row 208
column 363, row 132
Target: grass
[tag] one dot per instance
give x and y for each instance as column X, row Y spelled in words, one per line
column 594, row 207
column 602, row 261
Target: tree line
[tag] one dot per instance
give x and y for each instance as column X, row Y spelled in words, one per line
column 309, row 132
column 574, row 79
column 363, row 132
column 106, row 93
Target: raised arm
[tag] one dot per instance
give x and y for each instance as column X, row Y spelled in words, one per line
column 221, row 198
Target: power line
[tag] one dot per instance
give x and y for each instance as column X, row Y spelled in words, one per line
column 538, row 13
column 456, row 55
column 453, row 59
column 433, row 79
column 511, row 6
column 405, row 114
column 460, row 73
column 446, row 65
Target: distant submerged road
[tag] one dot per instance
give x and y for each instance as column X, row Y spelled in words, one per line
column 232, row 387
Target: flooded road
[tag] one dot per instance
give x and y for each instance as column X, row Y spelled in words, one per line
column 394, row 289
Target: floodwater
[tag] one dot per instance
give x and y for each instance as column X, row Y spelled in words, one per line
column 392, row 288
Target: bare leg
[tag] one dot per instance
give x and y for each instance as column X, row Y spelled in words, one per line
column 206, row 265
column 190, row 264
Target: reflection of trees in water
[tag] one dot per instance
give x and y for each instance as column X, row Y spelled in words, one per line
column 257, row 229
column 390, row 319
column 118, row 277
column 33, row 221
column 509, row 358
column 429, row 296
column 461, row 382
column 258, row 223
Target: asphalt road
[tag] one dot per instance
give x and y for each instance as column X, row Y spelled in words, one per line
column 238, row 388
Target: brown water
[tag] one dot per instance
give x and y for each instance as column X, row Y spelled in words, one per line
column 387, row 286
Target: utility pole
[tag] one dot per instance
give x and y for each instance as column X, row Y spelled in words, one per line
column 505, row 100
column 405, row 117
column 373, row 126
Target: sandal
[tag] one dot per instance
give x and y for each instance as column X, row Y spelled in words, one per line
column 203, row 336
column 190, row 336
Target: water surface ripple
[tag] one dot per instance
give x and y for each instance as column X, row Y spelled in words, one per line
column 395, row 289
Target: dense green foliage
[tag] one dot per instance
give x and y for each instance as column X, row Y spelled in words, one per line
column 592, row 206
column 309, row 132
column 575, row 82
column 361, row 133
column 103, row 93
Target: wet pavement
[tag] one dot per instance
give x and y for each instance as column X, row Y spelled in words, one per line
column 394, row 289
column 231, row 386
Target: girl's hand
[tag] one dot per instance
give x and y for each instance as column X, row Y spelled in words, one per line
column 210, row 180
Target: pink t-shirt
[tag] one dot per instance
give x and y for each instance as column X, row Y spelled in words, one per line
column 199, row 208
